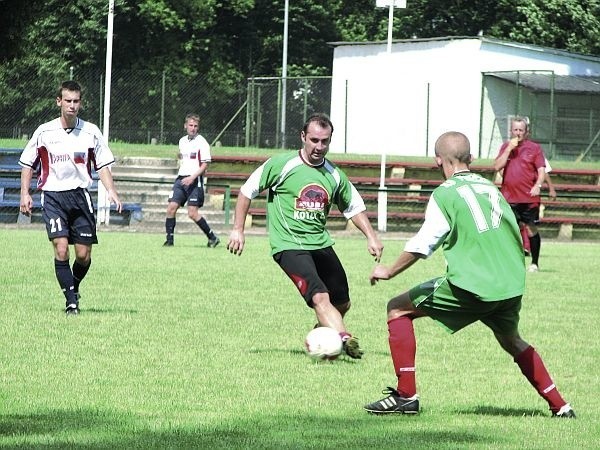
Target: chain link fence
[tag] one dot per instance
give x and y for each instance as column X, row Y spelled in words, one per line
column 150, row 107
column 564, row 112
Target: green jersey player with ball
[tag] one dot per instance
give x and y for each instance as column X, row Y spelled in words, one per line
column 302, row 187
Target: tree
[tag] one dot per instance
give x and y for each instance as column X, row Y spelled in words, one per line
column 563, row 24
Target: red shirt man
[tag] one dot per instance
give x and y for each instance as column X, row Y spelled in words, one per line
column 523, row 164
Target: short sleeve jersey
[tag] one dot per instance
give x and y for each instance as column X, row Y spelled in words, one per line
column 65, row 158
column 521, row 172
column 299, row 199
column 192, row 152
column 475, row 226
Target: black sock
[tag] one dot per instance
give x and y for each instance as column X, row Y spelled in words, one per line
column 204, row 227
column 170, row 228
column 535, row 242
column 65, row 280
column 79, row 272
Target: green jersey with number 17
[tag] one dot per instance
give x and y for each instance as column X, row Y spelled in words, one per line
column 482, row 242
column 299, row 198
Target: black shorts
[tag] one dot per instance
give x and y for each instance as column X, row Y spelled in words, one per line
column 527, row 213
column 192, row 194
column 70, row 214
column 315, row 271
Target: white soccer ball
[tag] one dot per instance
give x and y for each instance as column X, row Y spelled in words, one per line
column 323, row 343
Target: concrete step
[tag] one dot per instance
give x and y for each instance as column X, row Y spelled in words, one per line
column 135, row 161
column 148, row 181
column 144, row 170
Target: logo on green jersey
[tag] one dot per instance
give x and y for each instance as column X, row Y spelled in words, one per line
column 312, row 202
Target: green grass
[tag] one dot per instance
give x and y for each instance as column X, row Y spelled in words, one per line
column 190, row 347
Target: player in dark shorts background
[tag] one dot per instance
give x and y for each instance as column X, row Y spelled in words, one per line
column 194, row 157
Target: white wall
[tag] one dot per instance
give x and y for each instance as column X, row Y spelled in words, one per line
column 380, row 101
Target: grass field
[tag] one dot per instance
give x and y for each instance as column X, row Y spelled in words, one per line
column 190, row 347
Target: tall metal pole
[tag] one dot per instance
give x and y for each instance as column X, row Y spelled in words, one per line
column 103, row 201
column 382, row 195
column 284, row 71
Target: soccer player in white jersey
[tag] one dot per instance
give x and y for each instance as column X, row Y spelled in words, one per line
column 484, row 281
column 302, row 187
column 194, row 157
column 64, row 151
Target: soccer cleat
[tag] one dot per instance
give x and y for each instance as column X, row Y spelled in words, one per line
column 533, row 268
column 351, row 347
column 394, row 403
column 168, row 244
column 72, row 310
column 212, row 243
column 565, row 411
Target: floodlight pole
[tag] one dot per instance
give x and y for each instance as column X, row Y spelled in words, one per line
column 103, row 201
column 382, row 195
column 284, row 72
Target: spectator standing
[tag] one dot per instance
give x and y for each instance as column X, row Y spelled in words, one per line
column 64, row 151
column 194, row 157
column 523, row 164
column 302, row 187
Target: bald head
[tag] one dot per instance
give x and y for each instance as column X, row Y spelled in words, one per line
column 453, row 147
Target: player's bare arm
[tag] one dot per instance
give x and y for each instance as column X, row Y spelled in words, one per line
column 107, row 180
column 193, row 177
column 236, row 237
column 382, row 272
column 26, row 202
column 537, row 187
column 374, row 245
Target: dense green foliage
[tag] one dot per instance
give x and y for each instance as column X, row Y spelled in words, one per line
column 243, row 38
column 190, row 347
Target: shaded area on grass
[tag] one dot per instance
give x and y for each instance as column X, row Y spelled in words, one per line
column 96, row 429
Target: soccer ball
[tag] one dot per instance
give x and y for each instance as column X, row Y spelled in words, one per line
column 323, row 343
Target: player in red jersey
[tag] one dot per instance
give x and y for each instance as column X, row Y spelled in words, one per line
column 524, row 169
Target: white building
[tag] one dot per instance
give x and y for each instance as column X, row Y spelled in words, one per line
column 399, row 102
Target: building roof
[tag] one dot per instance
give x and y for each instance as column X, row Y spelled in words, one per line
column 483, row 39
column 546, row 81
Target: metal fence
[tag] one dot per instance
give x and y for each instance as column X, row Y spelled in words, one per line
column 149, row 107
column 564, row 111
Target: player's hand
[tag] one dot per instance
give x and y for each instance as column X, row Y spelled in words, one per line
column 375, row 248
column 26, row 204
column 514, row 142
column 552, row 193
column 236, row 242
column 380, row 272
column 186, row 181
column 113, row 197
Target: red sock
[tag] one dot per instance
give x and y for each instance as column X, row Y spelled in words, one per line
column 403, row 347
column 525, row 237
column 533, row 368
